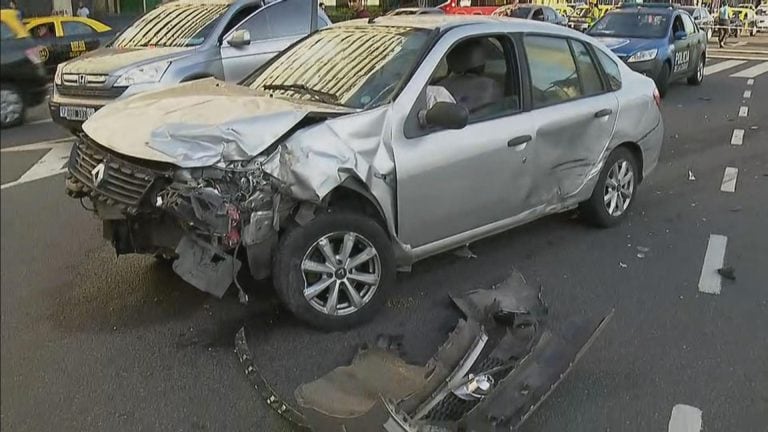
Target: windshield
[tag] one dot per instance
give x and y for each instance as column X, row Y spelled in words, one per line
column 632, row 25
column 175, row 24
column 358, row 67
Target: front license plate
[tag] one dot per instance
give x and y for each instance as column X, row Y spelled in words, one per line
column 76, row 113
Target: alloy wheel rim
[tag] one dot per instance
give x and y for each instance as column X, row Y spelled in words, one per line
column 700, row 70
column 619, row 187
column 342, row 271
column 10, row 106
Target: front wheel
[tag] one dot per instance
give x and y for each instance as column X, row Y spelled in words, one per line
column 11, row 106
column 698, row 75
column 615, row 190
column 662, row 79
column 334, row 272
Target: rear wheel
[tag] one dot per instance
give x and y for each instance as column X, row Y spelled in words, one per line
column 698, row 75
column 615, row 190
column 11, row 106
column 334, row 272
column 662, row 80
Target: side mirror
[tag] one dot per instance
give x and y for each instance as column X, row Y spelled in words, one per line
column 681, row 35
column 240, row 38
column 444, row 115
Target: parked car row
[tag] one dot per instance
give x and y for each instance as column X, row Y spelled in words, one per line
column 354, row 152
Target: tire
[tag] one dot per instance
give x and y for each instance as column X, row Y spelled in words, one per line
column 596, row 210
column 662, row 80
column 12, row 106
column 304, row 244
column 698, row 74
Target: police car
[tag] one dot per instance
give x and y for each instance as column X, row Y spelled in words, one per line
column 657, row 40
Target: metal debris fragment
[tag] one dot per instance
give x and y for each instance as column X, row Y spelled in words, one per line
column 496, row 367
column 260, row 384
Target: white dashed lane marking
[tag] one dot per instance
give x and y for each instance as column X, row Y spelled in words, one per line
column 752, row 72
column 710, row 281
column 738, row 137
column 52, row 163
column 750, row 81
column 719, row 67
column 743, row 111
column 729, row 179
column 747, row 94
column 685, row 418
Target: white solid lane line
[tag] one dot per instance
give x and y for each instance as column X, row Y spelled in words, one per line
column 729, row 179
column 738, row 137
column 685, row 418
column 710, row 281
column 750, row 81
column 718, row 67
column 747, row 94
column 752, row 72
column 39, row 121
column 42, row 145
column 743, row 111
column 54, row 162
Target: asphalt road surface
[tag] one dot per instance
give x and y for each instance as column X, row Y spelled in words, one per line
column 91, row 342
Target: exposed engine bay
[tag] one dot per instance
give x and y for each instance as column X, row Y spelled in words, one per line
column 200, row 217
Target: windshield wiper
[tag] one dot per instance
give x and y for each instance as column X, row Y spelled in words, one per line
column 302, row 88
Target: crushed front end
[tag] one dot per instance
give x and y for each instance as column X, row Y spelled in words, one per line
column 205, row 219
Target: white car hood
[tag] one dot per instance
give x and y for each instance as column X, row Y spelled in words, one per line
column 197, row 124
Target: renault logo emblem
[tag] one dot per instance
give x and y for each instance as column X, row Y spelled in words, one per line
column 97, row 174
column 82, row 80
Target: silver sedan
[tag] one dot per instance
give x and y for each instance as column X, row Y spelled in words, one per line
column 366, row 147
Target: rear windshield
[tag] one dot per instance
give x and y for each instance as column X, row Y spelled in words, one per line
column 175, row 24
column 632, row 25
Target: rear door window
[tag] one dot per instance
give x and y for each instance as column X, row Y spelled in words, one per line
column 591, row 83
column 690, row 27
column 552, row 70
column 71, row 28
column 289, row 18
column 610, row 68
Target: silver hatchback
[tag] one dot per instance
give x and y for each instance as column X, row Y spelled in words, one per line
column 366, row 147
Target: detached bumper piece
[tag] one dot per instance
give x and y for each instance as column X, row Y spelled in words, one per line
column 494, row 370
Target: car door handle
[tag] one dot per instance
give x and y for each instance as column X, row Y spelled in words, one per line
column 603, row 113
column 518, row 141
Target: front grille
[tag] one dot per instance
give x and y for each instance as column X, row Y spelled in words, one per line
column 97, row 92
column 122, row 182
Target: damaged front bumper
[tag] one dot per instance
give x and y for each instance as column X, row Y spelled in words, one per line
column 496, row 367
column 201, row 217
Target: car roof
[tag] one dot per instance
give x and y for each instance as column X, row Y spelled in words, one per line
column 641, row 9
column 446, row 22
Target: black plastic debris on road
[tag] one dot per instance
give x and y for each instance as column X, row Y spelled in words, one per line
column 497, row 366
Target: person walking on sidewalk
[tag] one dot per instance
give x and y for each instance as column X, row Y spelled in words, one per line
column 724, row 22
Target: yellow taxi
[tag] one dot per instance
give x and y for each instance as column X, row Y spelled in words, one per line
column 66, row 37
column 12, row 27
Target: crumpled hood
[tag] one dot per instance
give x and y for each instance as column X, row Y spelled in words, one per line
column 628, row 46
column 106, row 61
column 197, row 124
